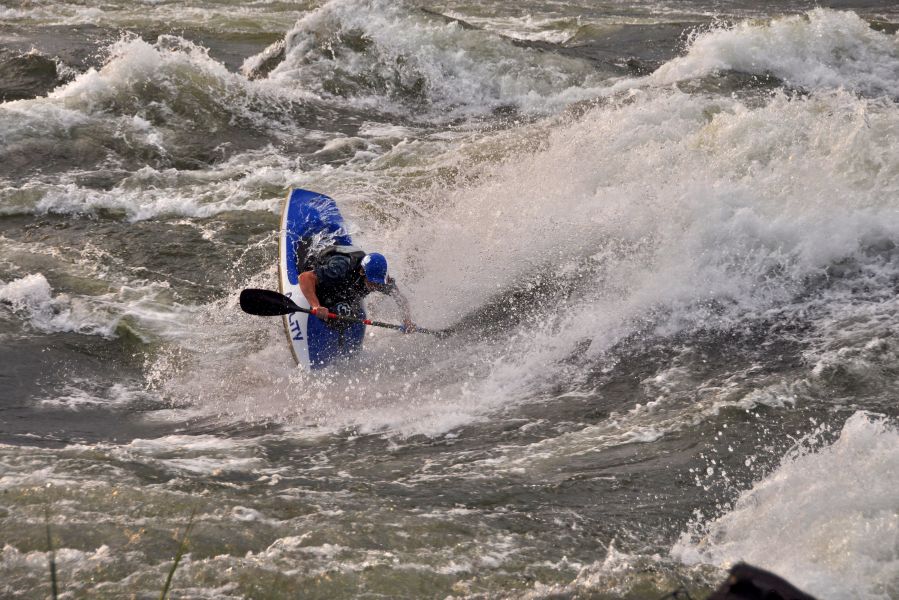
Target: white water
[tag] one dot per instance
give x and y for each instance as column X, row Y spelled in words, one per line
column 666, row 202
column 31, row 300
column 32, row 297
column 234, row 17
column 666, row 211
column 821, row 49
column 413, row 58
column 826, row 519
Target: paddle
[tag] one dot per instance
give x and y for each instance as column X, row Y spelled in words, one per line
column 267, row 303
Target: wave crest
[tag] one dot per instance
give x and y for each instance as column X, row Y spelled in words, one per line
column 387, row 56
column 822, row 49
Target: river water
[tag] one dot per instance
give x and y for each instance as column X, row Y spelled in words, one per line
column 665, row 231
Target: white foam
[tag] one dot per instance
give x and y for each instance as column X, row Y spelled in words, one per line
column 182, row 444
column 826, row 520
column 553, row 29
column 267, row 17
column 111, row 103
column 200, row 454
column 196, row 454
column 418, row 58
column 149, row 193
column 617, row 574
column 823, row 49
column 72, row 561
column 853, row 342
column 133, row 61
column 139, row 204
column 663, row 203
column 73, row 397
column 142, row 303
column 13, row 13
column 666, row 211
column 381, row 130
column 36, row 475
column 214, row 466
column 32, row 296
column 242, row 513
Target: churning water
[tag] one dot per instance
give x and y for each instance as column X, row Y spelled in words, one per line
column 666, row 233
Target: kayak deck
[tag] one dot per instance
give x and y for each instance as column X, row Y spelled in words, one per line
column 309, row 222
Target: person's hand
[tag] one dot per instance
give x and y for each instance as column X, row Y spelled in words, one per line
column 321, row 312
column 408, row 326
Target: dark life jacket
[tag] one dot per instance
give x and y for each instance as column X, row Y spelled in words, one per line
column 340, row 279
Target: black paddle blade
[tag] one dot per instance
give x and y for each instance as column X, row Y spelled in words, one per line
column 266, row 303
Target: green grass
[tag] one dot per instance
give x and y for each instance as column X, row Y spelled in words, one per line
column 51, row 554
column 182, row 547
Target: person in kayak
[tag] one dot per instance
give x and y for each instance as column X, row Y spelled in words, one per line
column 342, row 276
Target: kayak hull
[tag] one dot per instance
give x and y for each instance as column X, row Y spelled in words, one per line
column 309, row 222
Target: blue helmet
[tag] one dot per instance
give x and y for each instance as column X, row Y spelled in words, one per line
column 375, row 266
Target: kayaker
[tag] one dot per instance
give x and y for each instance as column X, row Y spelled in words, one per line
column 342, row 276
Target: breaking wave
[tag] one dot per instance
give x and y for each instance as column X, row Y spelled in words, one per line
column 666, row 212
column 822, row 49
column 32, row 298
column 825, row 518
column 162, row 105
column 388, row 56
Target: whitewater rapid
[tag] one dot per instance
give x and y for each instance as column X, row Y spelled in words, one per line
column 670, row 260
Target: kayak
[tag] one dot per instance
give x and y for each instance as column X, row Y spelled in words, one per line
column 310, row 222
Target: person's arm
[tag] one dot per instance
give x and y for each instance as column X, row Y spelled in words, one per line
column 308, row 281
column 401, row 301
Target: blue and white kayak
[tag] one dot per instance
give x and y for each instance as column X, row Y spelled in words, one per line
column 310, row 222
